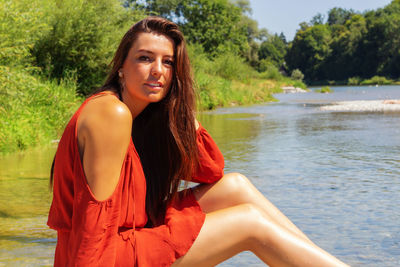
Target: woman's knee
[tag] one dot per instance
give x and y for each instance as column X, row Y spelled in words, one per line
column 235, row 183
column 233, row 189
column 254, row 221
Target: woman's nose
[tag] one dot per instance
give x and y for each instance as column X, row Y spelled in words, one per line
column 156, row 69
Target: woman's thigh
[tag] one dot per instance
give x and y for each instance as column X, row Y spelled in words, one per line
column 225, row 233
column 235, row 189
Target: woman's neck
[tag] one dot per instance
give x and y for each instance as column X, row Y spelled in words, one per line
column 136, row 107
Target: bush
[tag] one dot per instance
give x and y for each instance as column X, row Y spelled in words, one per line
column 233, row 67
column 271, row 72
column 377, row 80
column 324, row 90
column 227, row 65
column 354, row 81
column 297, row 75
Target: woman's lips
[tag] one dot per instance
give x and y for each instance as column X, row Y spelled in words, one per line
column 155, row 85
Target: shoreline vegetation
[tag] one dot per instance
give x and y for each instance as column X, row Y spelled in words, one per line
column 357, row 81
column 55, row 53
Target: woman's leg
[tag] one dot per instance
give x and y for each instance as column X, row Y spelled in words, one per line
column 229, row 231
column 235, row 189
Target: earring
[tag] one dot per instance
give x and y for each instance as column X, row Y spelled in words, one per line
column 121, row 80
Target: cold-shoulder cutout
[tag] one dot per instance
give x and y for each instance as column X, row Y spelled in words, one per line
column 94, row 230
column 103, row 135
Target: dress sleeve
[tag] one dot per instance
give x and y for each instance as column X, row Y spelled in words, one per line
column 93, row 237
column 211, row 160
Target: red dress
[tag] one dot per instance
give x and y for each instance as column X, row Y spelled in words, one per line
column 111, row 232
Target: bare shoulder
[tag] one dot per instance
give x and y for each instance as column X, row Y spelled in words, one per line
column 105, row 109
column 104, row 133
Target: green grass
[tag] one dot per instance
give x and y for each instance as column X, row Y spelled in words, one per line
column 228, row 80
column 215, row 91
column 33, row 111
column 324, row 90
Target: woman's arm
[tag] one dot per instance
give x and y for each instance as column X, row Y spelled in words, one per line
column 103, row 135
column 104, row 132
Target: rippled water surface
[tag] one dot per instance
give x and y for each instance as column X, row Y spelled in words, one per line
column 335, row 174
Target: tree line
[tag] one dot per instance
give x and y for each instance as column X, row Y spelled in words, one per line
column 347, row 46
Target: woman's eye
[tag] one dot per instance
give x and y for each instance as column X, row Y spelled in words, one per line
column 169, row 62
column 144, row 58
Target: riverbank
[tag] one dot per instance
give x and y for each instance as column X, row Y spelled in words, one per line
column 218, row 92
column 356, row 81
column 35, row 110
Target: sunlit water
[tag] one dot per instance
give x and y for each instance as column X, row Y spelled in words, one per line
column 335, row 174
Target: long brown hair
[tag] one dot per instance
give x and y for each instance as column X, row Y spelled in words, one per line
column 164, row 133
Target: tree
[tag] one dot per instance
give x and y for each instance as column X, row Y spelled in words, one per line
column 345, row 57
column 254, row 36
column 215, row 24
column 348, row 45
column 309, row 50
column 339, row 16
column 389, row 52
column 83, row 37
column 244, row 5
column 273, row 50
column 381, row 45
column 317, row 19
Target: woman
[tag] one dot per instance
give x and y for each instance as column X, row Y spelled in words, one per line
column 121, row 159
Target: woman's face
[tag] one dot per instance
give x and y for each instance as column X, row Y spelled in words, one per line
column 148, row 69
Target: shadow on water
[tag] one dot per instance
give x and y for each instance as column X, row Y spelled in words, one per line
column 29, row 239
column 5, row 214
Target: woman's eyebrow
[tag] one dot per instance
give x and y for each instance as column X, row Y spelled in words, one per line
column 146, row 51
column 151, row 52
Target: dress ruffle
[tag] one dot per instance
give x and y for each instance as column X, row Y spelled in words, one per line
column 112, row 232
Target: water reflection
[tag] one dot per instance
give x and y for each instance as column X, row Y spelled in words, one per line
column 25, row 199
column 239, row 128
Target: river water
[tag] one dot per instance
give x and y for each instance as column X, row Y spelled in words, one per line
column 335, row 174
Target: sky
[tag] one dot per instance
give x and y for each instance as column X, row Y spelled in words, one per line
column 285, row 15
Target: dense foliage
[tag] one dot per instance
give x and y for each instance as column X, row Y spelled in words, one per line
column 49, row 52
column 53, row 53
column 82, row 40
column 349, row 46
